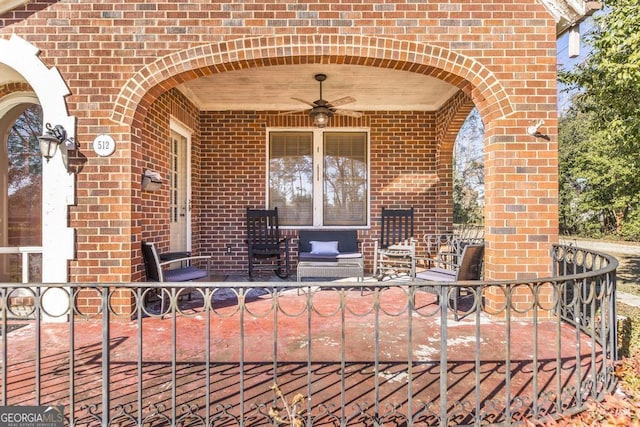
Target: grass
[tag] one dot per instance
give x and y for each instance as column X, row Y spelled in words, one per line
column 628, row 278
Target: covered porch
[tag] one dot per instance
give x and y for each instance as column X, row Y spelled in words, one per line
column 410, row 116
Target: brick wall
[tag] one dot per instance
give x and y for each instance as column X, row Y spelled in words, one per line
column 20, row 13
column 402, row 164
column 154, row 150
column 119, row 60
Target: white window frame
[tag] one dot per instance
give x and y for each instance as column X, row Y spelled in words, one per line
column 318, row 170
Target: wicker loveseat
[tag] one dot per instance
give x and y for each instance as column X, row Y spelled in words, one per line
column 329, row 253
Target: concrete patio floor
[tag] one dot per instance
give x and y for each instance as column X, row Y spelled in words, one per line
column 345, row 359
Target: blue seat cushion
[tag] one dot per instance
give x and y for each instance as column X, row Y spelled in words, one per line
column 184, row 274
column 308, row 256
column 437, row 275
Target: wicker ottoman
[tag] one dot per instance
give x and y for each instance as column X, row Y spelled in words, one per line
column 343, row 268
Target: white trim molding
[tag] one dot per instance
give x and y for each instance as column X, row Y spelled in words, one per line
column 58, row 185
column 7, row 5
column 569, row 13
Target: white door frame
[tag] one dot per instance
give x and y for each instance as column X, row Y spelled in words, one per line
column 186, row 132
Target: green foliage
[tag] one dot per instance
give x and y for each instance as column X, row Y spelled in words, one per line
column 608, row 81
column 600, row 136
column 630, row 229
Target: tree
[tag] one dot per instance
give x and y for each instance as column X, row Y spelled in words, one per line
column 600, row 134
column 609, row 78
column 468, row 176
column 598, row 180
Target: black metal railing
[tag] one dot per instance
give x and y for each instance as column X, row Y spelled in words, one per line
column 314, row 353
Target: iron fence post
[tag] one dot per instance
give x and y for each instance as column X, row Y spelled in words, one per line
column 106, row 356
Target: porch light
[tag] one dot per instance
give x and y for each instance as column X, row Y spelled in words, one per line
column 53, row 137
column 534, row 129
column 320, row 116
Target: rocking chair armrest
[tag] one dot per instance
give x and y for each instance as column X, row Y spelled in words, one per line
column 409, row 242
column 190, row 258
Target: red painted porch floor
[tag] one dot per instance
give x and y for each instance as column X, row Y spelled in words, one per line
column 343, row 354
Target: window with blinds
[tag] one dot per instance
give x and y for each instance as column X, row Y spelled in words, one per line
column 291, row 177
column 345, row 179
column 319, row 178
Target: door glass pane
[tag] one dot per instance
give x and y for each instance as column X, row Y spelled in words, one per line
column 179, row 193
column 173, row 181
column 291, row 177
column 345, row 178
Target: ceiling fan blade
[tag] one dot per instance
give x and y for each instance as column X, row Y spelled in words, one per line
column 342, row 101
column 304, row 102
column 349, row 113
column 284, row 113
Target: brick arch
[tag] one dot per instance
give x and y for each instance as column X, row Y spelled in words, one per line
column 466, row 73
column 460, row 107
column 451, row 118
column 12, row 87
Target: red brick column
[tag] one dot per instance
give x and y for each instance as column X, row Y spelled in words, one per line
column 521, row 204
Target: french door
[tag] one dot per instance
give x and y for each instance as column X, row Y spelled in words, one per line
column 180, row 190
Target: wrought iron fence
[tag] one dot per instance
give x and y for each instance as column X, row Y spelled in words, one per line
column 315, row 353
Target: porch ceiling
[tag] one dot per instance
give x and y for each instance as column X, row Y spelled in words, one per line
column 8, row 74
column 272, row 88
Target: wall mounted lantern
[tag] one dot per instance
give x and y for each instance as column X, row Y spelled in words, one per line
column 51, row 139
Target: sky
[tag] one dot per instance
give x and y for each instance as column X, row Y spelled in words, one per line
column 565, row 62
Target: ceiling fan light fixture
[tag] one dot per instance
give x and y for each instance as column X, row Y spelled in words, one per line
column 320, row 116
column 323, row 110
column 320, row 120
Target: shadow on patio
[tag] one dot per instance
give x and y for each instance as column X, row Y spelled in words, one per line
column 389, row 355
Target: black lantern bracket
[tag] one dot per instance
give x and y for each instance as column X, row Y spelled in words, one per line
column 53, row 137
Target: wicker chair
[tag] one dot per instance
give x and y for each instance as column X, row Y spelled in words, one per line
column 159, row 271
column 469, row 269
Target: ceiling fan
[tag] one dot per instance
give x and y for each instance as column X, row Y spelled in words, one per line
column 321, row 110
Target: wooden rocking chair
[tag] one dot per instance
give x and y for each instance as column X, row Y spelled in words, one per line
column 267, row 250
